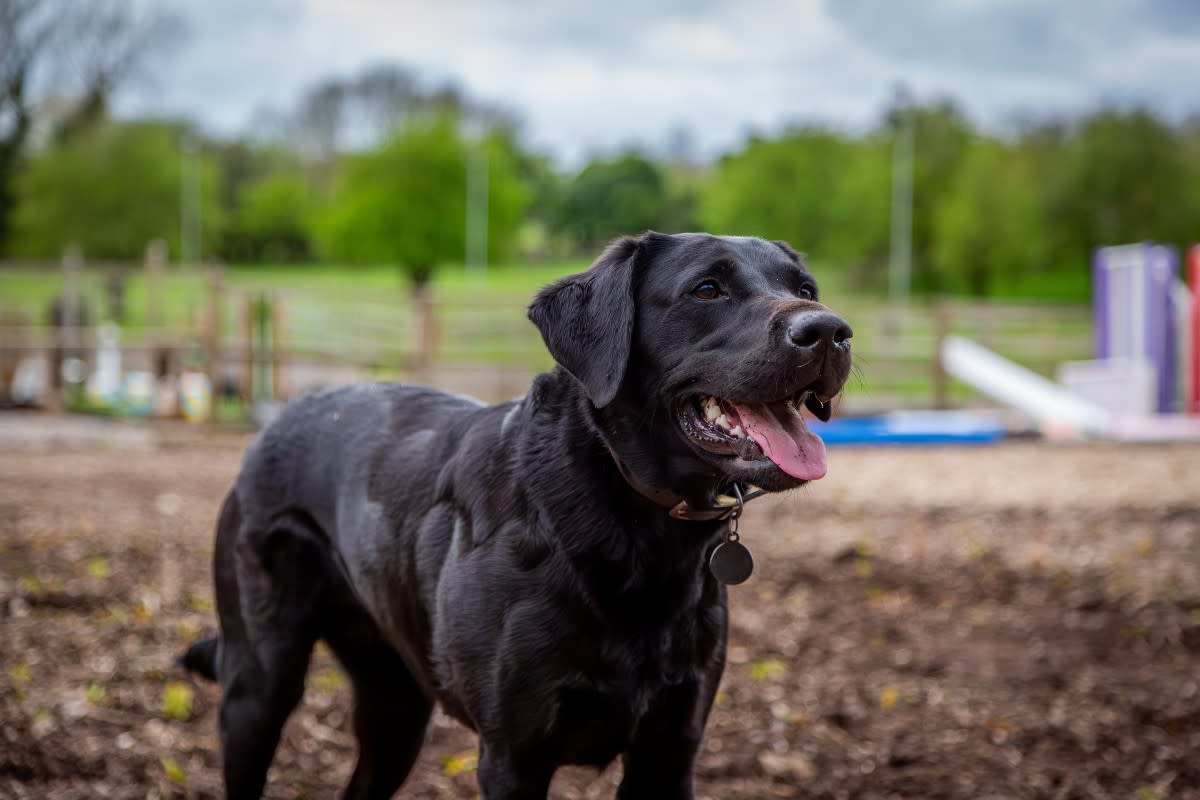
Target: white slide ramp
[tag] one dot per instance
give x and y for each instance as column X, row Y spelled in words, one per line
column 1048, row 403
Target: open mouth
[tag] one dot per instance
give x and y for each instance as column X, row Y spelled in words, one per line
column 775, row 431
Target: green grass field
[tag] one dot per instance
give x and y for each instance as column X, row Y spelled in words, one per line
column 185, row 289
column 362, row 316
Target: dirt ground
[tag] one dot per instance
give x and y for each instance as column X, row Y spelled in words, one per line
column 1015, row 621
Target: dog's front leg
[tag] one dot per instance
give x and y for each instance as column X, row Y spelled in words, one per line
column 660, row 759
column 504, row 777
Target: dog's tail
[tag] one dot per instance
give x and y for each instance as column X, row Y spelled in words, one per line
column 201, row 658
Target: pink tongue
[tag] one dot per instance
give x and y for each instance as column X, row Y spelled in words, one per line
column 788, row 442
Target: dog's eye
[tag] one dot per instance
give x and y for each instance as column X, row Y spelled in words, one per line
column 808, row 292
column 707, row 291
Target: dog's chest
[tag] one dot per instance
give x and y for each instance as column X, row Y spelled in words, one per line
column 594, row 721
column 592, row 727
column 597, row 714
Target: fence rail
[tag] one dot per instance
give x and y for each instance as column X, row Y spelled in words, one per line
column 201, row 319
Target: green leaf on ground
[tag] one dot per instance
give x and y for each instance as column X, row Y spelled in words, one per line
column 174, row 772
column 177, row 700
column 767, row 668
column 460, row 763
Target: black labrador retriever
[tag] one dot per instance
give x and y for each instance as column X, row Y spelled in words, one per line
column 540, row 567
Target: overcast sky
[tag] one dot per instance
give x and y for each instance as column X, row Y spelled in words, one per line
column 590, row 77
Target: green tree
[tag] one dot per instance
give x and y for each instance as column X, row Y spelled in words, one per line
column 73, row 52
column 110, row 189
column 271, row 220
column 778, row 189
column 988, row 226
column 1190, row 139
column 684, row 185
column 405, row 201
column 942, row 135
column 1124, row 177
column 607, row 198
column 860, row 205
column 826, row 193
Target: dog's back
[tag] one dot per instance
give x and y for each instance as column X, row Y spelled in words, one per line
column 325, row 445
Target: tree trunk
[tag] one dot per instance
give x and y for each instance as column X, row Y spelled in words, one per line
column 424, row 320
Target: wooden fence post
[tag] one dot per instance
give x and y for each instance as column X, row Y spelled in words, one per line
column 212, row 327
column 987, row 317
column 155, row 263
column 424, row 315
column 277, row 389
column 66, row 320
column 248, row 333
column 941, row 381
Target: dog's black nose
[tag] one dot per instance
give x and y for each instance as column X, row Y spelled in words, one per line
column 815, row 330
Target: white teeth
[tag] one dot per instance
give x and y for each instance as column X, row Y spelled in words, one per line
column 713, row 412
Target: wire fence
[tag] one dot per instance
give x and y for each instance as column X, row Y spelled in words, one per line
column 203, row 320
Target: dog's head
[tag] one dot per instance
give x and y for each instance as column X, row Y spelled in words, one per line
column 715, row 343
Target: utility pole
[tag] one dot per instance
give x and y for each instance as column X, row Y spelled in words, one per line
column 477, row 208
column 900, row 257
column 189, row 200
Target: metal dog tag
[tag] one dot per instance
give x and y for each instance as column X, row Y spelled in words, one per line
column 731, row 563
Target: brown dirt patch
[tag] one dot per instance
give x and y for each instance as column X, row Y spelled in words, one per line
column 1015, row 621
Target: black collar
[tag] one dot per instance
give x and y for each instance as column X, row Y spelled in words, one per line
column 726, row 506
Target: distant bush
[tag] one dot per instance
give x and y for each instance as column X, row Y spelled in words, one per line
column 608, row 198
column 1006, row 215
column 404, row 202
column 110, row 189
column 272, row 220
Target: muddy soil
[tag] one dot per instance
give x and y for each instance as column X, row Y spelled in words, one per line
column 1019, row 621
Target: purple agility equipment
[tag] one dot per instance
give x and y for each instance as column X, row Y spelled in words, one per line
column 1133, row 313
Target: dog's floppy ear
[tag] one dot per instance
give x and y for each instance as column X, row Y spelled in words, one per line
column 586, row 320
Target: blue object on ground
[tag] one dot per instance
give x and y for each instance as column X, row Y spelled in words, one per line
column 911, row 427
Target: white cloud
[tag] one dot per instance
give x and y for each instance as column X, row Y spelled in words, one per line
column 589, row 77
